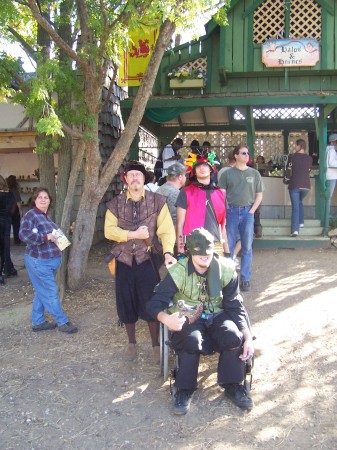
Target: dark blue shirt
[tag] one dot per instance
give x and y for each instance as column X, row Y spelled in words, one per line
column 34, row 227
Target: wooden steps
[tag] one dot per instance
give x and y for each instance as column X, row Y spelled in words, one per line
column 276, row 234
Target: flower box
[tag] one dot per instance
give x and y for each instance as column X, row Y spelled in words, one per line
column 187, row 84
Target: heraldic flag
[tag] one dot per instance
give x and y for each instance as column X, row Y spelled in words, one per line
column 136, row 58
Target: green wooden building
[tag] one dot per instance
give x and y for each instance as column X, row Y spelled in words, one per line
column 270, row 77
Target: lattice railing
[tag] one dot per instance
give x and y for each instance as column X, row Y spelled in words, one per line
column 148, row 148
column 305, row 19
column 200, row 63
column 269, row 144
column 302, row 112
column 306, row 112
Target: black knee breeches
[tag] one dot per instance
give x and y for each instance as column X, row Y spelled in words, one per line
column 204, row 337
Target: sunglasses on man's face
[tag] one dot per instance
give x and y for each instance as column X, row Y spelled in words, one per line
column 244, row 153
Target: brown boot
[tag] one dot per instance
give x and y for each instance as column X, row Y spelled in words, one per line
column 131, row 352
column 156, row 354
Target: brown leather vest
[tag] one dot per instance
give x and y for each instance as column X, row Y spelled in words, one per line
column 132, row 215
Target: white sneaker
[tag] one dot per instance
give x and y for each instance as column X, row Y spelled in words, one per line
column 294, row 234
column 301, row 225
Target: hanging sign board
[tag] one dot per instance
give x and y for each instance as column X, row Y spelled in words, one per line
column 290, row 52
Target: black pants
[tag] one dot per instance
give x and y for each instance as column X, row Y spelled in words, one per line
column 5, row 256
column 16, row 219
column 134, row 287
column 204, row 337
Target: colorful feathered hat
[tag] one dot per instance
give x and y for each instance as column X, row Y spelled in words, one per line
column 195, row 160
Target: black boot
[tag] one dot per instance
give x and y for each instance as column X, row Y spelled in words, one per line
column 238, row 394
column 12, row 273
column 182, row 400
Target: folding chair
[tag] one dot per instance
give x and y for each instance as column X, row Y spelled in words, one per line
column 164, row 350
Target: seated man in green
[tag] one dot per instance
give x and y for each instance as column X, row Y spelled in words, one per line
column 208, row 285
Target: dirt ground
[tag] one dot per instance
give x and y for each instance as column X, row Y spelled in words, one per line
column 76, row 392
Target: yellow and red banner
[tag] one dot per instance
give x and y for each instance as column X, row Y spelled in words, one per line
column 136, row 58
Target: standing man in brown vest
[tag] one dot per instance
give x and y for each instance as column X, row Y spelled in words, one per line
column 140, row 224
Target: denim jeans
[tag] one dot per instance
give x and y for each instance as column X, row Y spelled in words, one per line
column 240, row 220
column 297, row 211
column 42, row 275
column 332, row 185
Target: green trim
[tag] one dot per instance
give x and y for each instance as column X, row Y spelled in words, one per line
column 326, row 6
column 322, row 201
column 268, row 72
column 263, row 99
column 233, row 3
column 328, row 109
column 250, row 131
column 250, row 46
column 251, row 8
column 323, row 49
column 222, row 45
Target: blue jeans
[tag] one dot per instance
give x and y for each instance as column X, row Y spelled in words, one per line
column 42, row 276
column 297, row 212
column 240, row 220
column 332, row 185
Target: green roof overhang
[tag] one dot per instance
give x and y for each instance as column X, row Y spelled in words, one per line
column 253, row 100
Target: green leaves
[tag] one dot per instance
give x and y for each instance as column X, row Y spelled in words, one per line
column 50, row 125
column 71, row 43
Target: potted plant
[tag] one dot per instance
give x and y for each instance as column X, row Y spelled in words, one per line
column 187, row 78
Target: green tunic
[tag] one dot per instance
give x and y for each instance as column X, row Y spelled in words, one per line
column 188, row 285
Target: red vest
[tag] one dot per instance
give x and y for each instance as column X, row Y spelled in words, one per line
column 196, row 207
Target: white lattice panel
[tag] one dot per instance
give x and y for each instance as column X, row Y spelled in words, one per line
column 200, row 63
column 305, row 19
column 269, row 20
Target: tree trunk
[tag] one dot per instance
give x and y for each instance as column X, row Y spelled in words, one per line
column 66, row 216
column 86, row 217
column 65, row 150
column 64, row 167
column 63, row 172
column 47, row 175
column 95, row 185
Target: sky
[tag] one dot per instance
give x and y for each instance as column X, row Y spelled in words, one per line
column 15, row 50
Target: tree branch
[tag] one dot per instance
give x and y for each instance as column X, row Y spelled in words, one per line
column 29, row 50
column 56, row 37
column 73, row 133
column 166, row 31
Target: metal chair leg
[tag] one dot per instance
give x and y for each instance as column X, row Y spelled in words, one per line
column 164, row 351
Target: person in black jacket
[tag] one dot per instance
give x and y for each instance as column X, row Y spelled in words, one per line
column 7, row 207
column 14, row 187
column 208, row 286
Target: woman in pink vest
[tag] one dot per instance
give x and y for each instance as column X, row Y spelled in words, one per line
column 202, row 204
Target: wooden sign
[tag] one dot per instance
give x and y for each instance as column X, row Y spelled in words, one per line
column 290, row 52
